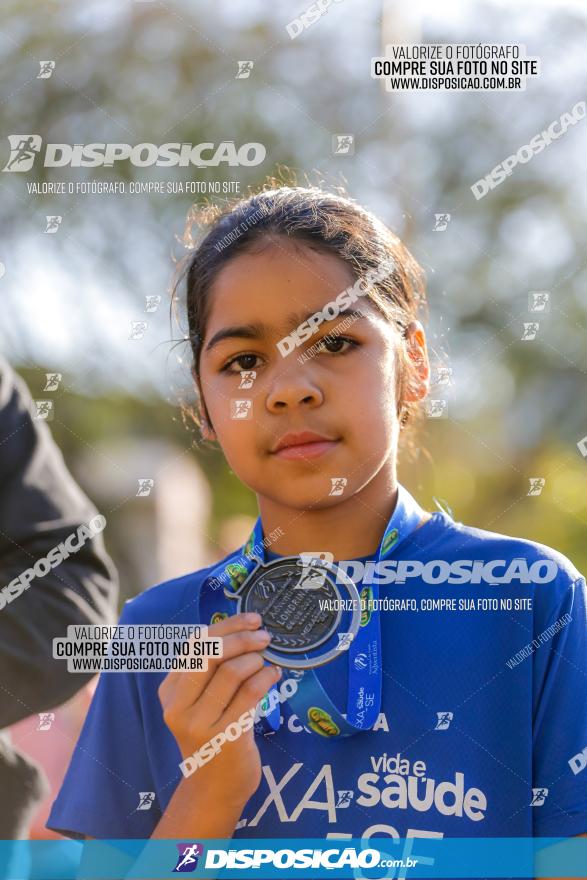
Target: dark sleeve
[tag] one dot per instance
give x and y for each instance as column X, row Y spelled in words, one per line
column 40, row 507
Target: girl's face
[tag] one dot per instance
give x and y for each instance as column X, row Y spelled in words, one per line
column 344, row 393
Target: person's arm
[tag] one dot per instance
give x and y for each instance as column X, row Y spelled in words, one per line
column 208, row 803
column 196, row 707
column 40, row 507
column 112, row 763
column 196, row 812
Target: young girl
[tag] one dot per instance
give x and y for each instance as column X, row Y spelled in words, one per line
column 459, row 706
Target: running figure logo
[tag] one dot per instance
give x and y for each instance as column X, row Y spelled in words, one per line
column 244, row 69
column 137, row 329
column 53, row 223
column 537, row 484
column 247, row 378
column 436, row 408
column 187, row 861
column 345, row 797
column 312, row 578
column 343, row 144
column 443, row 376
column 43, row 409
column 530, row 330
column 46, row 69
column 23, row 149
column 444, row 719
column 46, row 719
column 53, row 380
column 441, row 222
column 338, row 484
column 146, row 800
column 539, row 301
column 538, row 797
column 241, row 409
column 344, row 641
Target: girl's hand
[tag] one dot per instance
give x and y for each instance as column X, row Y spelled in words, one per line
column 199, row 705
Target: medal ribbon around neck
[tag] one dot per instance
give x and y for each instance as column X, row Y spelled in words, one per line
column 310, row 702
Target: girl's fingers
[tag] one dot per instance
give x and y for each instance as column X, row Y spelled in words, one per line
column 234, row 623
column 249, row 694
column 238, row 622
column 189, row 687
column 226, row 682
column 239, row 636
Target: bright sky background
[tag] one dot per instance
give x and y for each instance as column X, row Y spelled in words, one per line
column 67, row 310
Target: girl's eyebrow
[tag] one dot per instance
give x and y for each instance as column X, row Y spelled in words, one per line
column 258, row 330
column 245, row 331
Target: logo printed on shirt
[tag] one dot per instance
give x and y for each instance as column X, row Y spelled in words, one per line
column 396, row 784
column 388, row 541
column 407, row 786
column 366, row 596
column 360, row 661
column 294, row 725
column 323, row 779
column 285, row 796
column 237, row 574
column 368, row 659
column 321, row 722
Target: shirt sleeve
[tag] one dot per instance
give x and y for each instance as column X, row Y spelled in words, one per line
column 41, row 506
column 109, row 768
column 560, row 712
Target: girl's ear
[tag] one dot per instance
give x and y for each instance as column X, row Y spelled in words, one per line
column 419, row 383
column 206, row 429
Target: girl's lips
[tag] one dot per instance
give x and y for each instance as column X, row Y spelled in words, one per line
column 306, row 450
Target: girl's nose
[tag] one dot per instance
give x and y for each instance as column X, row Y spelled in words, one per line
column 292, row 389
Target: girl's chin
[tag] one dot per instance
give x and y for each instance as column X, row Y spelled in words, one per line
column 312, row 498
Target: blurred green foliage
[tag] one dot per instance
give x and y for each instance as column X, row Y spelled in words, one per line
column 155, row 72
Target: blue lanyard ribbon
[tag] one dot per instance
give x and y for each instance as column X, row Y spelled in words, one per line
column 311, row 703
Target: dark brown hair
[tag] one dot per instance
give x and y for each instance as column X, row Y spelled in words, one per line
column 325, row 221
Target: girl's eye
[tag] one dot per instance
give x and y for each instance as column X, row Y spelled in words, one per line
column 336, row 344
column 241, row 362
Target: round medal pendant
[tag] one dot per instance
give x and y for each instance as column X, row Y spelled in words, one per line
column 302, row 606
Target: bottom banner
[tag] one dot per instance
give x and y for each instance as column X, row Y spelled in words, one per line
column 269, row 859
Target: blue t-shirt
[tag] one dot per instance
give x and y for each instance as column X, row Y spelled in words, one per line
column 483, row 712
